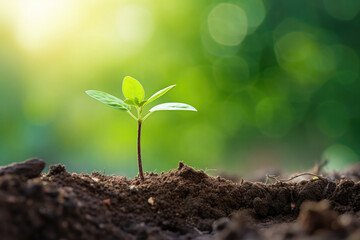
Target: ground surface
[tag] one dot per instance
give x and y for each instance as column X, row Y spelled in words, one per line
column 181, row 204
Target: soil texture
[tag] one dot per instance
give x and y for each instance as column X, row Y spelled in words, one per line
column 183, row 203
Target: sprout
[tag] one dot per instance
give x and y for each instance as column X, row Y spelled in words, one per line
column 135, row 96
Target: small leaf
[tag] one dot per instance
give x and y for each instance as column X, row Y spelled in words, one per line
column 172, row 106
column 108, row 99
column 129, row 101
column 142, row 103
column 159, row 94
column 133, row 89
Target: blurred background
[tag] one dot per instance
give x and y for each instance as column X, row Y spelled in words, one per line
column 276, row 83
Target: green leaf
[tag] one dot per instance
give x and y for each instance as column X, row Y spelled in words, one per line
column 129, row 101
column 133, row 89
column 136, row 101
column 159, row 94
column 172, row 106
column 109, row 100
column 143, row 103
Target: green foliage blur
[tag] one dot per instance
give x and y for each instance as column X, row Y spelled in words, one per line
column 276, row 83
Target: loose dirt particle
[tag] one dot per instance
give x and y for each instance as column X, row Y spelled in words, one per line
column 107, row 201
column 95, row 179
column 133, row 188
column 151, row 201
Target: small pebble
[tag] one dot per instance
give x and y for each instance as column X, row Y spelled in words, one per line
column 107, row 201
column 151, row 201
column 95, row 179
column 133, row 188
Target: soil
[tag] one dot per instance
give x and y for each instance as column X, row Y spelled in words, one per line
column 183, row 203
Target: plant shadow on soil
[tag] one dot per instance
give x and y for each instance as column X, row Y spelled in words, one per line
column 183, row 203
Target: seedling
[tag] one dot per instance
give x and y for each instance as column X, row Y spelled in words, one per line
column 135, row 96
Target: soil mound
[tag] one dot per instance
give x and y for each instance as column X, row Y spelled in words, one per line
column 183, row 203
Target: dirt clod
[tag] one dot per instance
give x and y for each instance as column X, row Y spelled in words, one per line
column 318, row 215
column 30, row 168
column 57, row 169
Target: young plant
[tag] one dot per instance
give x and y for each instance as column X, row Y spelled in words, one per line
column 135, row 96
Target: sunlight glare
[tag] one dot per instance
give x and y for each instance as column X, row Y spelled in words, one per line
column 42, row 23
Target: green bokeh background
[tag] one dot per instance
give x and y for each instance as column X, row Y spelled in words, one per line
column 276, row 83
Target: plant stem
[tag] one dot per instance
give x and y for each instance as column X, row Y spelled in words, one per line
column 141, row 173
column 292, row 178
column 132, row 115
column 146, row 116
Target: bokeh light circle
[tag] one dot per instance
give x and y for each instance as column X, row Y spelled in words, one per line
column 305, row 57
column 294, row 46
column 227, row 24
column 339, row 156
column 343, row 9
column 255, row 13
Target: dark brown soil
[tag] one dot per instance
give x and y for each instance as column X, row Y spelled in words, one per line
column 181, row 204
